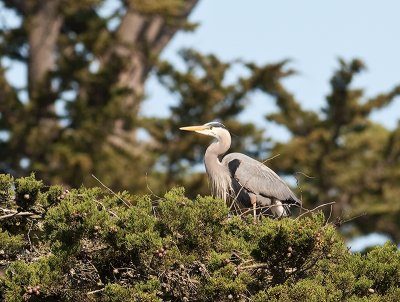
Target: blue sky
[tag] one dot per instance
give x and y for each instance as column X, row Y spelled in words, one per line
column 311, row 33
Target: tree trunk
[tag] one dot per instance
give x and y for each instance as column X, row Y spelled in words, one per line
column 140, row 38
column 44, row 27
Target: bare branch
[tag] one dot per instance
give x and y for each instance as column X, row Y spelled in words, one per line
column 20, row 214
column 254, row 266
column 95, row 291
column 271, row 158
column 104, row 208
column 316, row 208
column 28, row 235
column 112, row 192
column 330, row 214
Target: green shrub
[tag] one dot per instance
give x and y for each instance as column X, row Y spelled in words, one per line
column 89, row 245
column 27, row 190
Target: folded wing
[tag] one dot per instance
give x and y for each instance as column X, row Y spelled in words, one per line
column 258, row 179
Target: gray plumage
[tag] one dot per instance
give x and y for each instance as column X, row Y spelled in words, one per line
column 239, row 177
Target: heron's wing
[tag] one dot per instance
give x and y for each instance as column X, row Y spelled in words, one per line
column 258, row 178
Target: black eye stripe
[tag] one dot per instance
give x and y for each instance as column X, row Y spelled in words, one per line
column 212, row 125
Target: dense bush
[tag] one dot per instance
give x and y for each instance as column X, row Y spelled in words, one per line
column 90, row 245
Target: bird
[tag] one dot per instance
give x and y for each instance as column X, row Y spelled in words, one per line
column 238, row 177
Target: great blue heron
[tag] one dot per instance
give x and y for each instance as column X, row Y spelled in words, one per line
column 239, row 177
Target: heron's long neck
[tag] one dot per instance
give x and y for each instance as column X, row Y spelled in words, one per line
column 219, row 175
column 218, row 148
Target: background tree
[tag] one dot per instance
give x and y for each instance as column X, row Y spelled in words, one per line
column 77, row 59
column 351, row 160
column 348, row 159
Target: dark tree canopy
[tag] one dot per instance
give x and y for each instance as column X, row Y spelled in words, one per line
column 351, row 159
column 76, row 59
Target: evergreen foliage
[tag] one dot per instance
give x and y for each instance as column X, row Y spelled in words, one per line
column 350, row 159
column 78, row 114
column 89, row 245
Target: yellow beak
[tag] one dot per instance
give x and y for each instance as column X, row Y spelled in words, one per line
column 193, row 128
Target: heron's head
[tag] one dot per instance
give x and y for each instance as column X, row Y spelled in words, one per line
column 214, row 129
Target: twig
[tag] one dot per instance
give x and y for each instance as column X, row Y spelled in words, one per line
column 304, row 174
column 253, row 266
column 299, row 186
column 148, row 187
column 320, row 206
column 7, row 210
column 95, row 291
column 112, row 192
column 29, row 234
column 355, row 217
column 16, row 214
column 153, row 206
column 99, row 281
column 271, row 158
column 330, row 214
column 260, row 208
column 234, row 207
column 104, row 207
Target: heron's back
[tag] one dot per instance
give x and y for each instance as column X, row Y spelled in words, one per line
column 257, row 178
